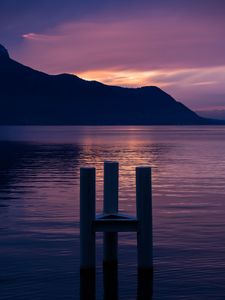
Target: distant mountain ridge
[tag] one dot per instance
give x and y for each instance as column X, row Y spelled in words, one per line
column 30, row 97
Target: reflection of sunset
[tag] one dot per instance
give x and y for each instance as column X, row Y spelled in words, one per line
column 130, row 149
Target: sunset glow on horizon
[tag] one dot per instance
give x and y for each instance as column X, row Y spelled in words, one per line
column 172, row 81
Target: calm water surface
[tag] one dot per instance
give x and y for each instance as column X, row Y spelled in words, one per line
column 39, row 208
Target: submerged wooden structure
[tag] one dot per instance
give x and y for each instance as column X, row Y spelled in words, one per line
column 110, row 222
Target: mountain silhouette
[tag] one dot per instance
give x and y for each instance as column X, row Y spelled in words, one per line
column 29, row 97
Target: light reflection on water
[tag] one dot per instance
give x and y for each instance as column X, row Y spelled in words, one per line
column 39, row 208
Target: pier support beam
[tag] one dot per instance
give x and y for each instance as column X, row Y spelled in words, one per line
column 87, row 216
column 87, row 234
column 111, row 184
column 144, row 216
column 145, row 285
column 110, row 260
column 110, row 223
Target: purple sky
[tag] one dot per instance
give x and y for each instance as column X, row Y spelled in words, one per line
column 175, row 44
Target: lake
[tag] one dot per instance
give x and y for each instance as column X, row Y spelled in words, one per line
column 39, row 208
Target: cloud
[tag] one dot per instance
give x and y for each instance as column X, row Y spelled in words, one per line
column 41, row 37
column 143, row 43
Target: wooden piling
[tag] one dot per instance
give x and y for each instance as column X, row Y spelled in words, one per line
column 144, row 216
column 110, row 207
column 111, row 185
column 87, row 216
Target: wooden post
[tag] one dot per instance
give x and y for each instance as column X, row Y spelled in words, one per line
column 145, row 284
column 87, row 216
column 87, row 284
column 144, row 216
column 110, row 262
column 111, row 174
